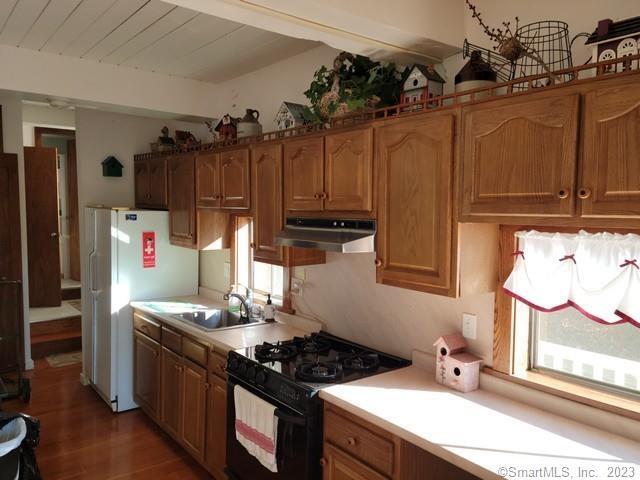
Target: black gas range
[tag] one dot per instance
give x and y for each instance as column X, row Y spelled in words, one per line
column 289, row 375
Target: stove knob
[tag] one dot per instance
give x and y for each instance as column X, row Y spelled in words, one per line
column 233, row 364
column 251, row 373
column 242, row 368
column 261, row 377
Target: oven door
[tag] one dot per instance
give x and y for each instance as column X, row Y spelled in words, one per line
column 298, row 445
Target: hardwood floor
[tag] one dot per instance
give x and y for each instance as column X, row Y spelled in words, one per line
column 80, row 438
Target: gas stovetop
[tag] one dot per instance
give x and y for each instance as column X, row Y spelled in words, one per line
column 296, row 369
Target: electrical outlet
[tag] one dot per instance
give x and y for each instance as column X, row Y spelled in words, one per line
column 296, row 286
column 469, row 322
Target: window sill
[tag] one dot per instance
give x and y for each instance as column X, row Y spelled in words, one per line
column 617, row 404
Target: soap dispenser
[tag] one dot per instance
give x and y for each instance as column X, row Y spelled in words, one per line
column 269, row 310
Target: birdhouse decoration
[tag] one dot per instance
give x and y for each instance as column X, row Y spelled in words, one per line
column 111, row 167
column 422, row 84
column 454, row 367
column 290, row 115
column 227, row 128
column 611, row 40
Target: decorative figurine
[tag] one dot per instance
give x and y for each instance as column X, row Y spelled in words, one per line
column 422, row 83
column 186, row 140
column 164, row 143
column 455, row 368
column 227, row 128
column 290, row 115
column 612, row 40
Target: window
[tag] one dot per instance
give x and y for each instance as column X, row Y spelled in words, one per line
column 262, row 278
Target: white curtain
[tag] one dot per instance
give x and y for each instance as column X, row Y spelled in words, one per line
column 598, row 274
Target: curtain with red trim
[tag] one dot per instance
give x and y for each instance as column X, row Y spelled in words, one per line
column 598, row 274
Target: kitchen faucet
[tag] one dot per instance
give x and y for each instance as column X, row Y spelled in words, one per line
column 245, row 300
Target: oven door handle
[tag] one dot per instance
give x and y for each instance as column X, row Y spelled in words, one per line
column 292, row 419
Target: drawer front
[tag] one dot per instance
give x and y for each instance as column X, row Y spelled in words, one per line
column 218, row 364
column 172, row 340
column 147, row 326
column 360, row 441
column 194, row 351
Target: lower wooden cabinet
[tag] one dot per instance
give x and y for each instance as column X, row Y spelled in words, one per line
column 216, row 426
column 146, row 392
column 194, row 408
column 337, row 465
column 171, row 386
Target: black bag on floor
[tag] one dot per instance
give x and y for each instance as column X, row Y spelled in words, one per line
column 25, row 453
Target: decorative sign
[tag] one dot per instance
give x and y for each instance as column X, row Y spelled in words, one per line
column 148, row 249
column 131, row 217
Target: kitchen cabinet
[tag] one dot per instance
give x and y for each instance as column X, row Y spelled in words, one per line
column 339, row 466
column 223, row 180
column 194, row 393
column 268, row 219
column 520, row 156
column 182, row 205
column 150, row 181
column 609, row 184
column 146, row 377
column 334, row 173
column 216, row 426
column 171, row 387
column 415, row 217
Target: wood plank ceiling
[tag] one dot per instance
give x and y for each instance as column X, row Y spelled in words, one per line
column 146, row 34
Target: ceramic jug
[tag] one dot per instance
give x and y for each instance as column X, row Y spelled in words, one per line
column 249, row 126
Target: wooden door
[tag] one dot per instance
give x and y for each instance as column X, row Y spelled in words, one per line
column 520, row 156
column 414, row 241
column 268, row 210
column 146, row 378
column 158, row 182
column 193, row 408
column 216, row 442
column 337, row 465
column 182, row 201
column 349, row 171
column 610, row 176
column 171, row 386
column 234, row 179
column 11, row 325
column 208, row 180
column 141, row 182
column 10, row 242
column 73, row 211
column 43, row 229
column 304, row 174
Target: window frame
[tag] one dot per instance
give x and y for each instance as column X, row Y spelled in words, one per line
column 504, row 346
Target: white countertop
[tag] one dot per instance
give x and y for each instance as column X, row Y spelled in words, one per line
column 484, row 433
column 225, row 339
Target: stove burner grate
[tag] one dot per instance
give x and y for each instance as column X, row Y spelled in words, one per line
column 319, row 372
column 362, row 362
column 314, row 344
column 275, row 352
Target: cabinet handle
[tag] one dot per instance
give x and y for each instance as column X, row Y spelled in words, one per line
column 316, row 196
column 378, row 262
column 324, row 195
column 584, row 193
column 563, row 193
column 207, row 386
column 351, row 441
column 222, row 368
column 155, row 354
column 252, row 245
column 323, row 462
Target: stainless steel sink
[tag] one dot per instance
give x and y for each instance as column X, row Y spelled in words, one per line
column 215, row 319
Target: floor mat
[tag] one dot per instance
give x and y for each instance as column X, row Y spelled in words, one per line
column 64, row 359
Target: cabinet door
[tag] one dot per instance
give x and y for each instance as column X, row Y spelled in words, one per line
column 234, row 179
column 158, row 182
column 268, row 212
column 520, row 157
column 208, row 180
column 193, row 408
column 146, row 378
column 349, row 171
column 182, row 207
column 304, row 174
column 171, row 387
column 415, row 161
column 216, row 444
column 337, row 465
column 141, row 182
column 610, row 180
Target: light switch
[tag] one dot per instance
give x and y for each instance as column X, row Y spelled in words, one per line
column 469, row 322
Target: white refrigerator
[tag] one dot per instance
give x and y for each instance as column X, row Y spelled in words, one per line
column 127, row 257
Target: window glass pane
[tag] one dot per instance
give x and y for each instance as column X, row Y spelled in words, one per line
column 569, row 342
column 243, row 253
column 277, row 280
column 262, row 277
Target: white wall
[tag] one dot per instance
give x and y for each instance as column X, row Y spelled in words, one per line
column 36, row 116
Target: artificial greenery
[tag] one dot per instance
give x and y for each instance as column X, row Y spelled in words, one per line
column 362, row 82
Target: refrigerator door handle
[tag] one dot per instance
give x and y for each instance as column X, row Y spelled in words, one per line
column 93, row 267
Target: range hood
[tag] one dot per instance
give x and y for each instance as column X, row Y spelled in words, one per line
column 330, row 234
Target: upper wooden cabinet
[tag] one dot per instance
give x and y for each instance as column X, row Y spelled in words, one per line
column 609, row 184
column 182, row 204
column 268, row 218
column 349, row 170
column 519, row 156
column 304, row 174
column 415, row 168
column 150, row 181
column 222, row 180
